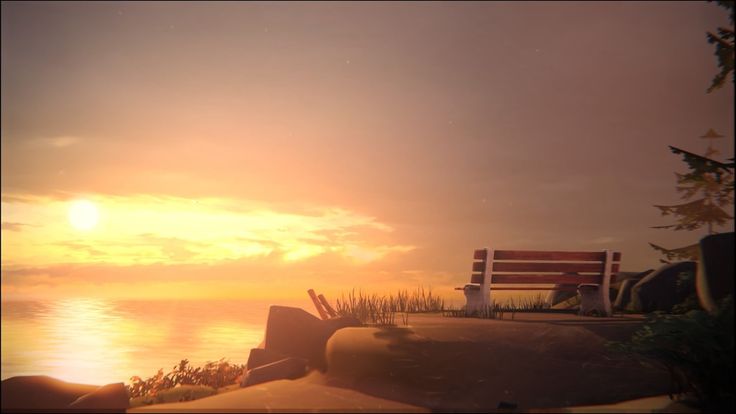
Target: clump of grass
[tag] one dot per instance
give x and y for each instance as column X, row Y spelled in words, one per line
column 213, row 374
column 527, row 304
column 496, row 310
column 382, row 309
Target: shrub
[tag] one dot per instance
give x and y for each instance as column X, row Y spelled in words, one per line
column 212, row 374
column 696, row 348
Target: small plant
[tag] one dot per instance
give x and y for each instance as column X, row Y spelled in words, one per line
column 213, row 374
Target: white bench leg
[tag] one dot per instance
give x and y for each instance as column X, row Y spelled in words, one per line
column 473, row 300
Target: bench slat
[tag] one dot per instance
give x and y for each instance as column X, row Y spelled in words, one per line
column 476, row 278
column 550, row 267
column 566, row 288
column 480, row 254
column 553, row 255
column 531, row 278
column 479, row 266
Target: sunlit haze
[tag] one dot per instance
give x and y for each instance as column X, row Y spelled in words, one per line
column 249, row 149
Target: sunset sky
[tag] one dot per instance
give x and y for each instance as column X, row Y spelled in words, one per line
column 260, row 149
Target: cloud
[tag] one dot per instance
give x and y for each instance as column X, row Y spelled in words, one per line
column 13, row 226
column 149, row 229
column 61, row 141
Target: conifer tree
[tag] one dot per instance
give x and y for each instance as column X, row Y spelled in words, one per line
column 708, row 189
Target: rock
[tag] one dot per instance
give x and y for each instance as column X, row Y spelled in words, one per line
column 259, row 357
column 715, row 275
column 297, row 333
column 570, row 303
column 626, row 281
column 108, row 398
column 659, row 290
column 339, row 322
column 556, row 296
column 40, row 392
column 287, row 368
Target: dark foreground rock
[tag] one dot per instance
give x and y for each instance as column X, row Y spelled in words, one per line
column 660, row 291
column 287, row 368
column 259, row 357
column 40, row 392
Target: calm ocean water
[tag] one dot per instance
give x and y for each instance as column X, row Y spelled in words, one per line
column 97, row 341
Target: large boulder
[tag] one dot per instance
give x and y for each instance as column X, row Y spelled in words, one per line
column 556, row 296
column 715, row 275
column 297, row 333
column 660, row 291
column 624, row 282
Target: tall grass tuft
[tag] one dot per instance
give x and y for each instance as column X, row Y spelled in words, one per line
column 382, row 309
column 496, row 310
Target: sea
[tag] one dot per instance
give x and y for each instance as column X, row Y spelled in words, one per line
column 96, row 341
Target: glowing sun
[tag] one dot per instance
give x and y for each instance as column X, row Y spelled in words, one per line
column 83, row 215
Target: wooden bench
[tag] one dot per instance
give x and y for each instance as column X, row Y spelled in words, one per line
column 589, row 273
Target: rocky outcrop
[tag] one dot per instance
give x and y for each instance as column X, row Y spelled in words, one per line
column 624, row 283
column 660, row 291
column 296, row 333
column 295, row 341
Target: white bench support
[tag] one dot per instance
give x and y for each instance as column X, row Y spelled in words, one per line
column 478, row 297
column 594, row 298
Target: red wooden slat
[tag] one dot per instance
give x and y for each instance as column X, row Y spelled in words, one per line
column 481, row 254
column 550, row 267
column 479, row 266
column 566, row 288
column 553, row 255
column 476, row 278
column 530, row 278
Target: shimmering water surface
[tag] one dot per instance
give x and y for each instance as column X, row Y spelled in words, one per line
column 98, row 342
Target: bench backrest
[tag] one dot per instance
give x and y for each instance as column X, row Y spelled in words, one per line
column 542, row 267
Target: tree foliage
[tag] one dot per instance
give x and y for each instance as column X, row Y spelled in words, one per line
column 723, row 40
column 712, row 182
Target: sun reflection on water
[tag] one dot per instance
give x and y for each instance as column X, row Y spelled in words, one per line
column 98, row 342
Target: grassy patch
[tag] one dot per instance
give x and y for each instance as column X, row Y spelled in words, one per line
column 497, row 310
column 382, row 310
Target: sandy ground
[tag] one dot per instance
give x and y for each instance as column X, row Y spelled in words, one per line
column 533, row 362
